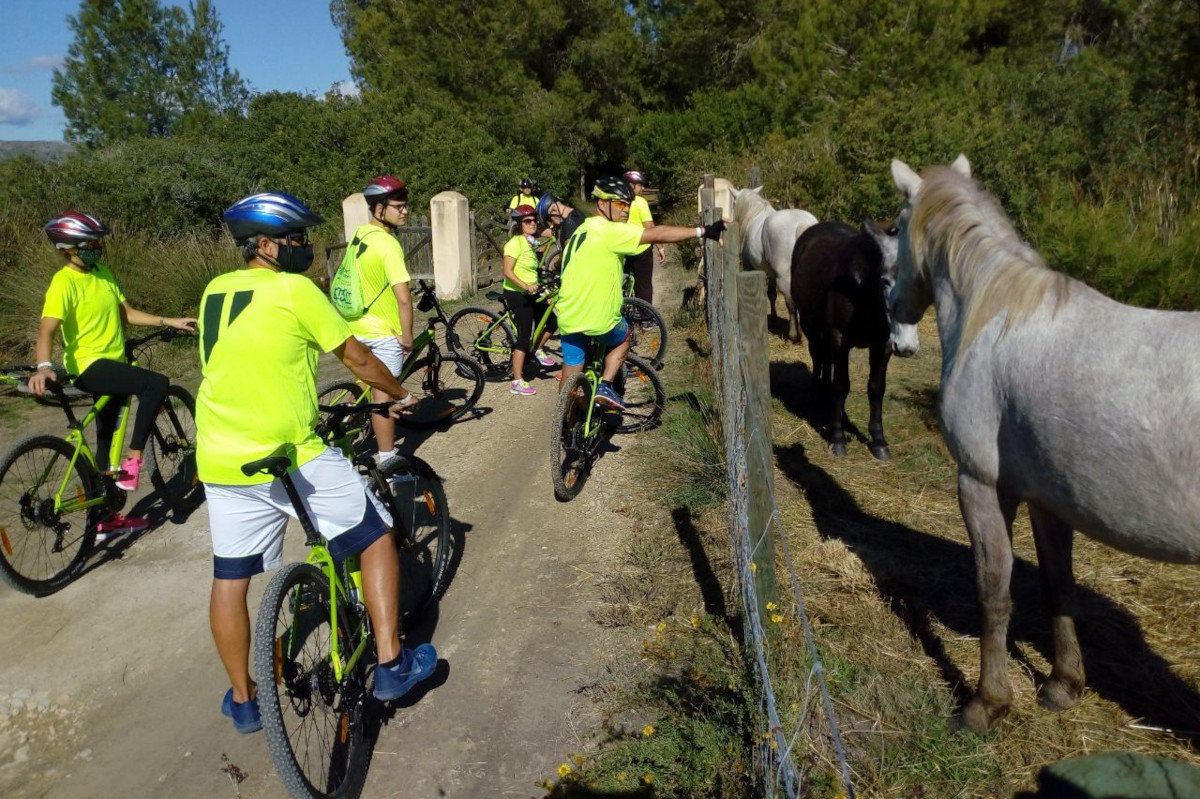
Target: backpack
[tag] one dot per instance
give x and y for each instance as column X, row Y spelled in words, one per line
column 345, row 290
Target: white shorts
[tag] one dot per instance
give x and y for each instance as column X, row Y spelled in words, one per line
column 247, row 521
column 388, row 350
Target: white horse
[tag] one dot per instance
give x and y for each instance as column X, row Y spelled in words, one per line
column 1054, row 395
column 768, row 237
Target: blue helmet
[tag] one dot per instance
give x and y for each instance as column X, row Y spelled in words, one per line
column 269, row 214
column 543, row 207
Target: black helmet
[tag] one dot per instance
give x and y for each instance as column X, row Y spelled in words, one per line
column 613, row 188
column 526, row 183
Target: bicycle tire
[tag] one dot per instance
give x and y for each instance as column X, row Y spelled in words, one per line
column 299, row 699
column 638, row 382
column 446, row 387
column 41, row 551
column 569, row 462
column 173, row 450
column 647, row 331
column 421, row 523
column 492, row 352
column 341, row 392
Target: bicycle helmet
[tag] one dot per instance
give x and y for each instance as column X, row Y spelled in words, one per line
column 633, row 176
column 384, row 188
column 521, row 213
column 543, row 208
column 268, row 214
column 75, row 228
column 526, row 183
column 613, row 188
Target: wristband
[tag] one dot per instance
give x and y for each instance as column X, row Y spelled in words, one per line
column 162, row 321
column 699, row 232
column 45, row 365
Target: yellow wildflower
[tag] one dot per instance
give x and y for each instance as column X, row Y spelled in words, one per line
column 662, row 625
column 648, row 730
column 753, row 566
column 771, row 606
column 695, row 622
column 648, row 779
column 564, row 770
column 776, row 617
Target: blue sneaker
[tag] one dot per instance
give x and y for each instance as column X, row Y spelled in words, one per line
column 415, row 665
column 244, row 714
column 607, row 395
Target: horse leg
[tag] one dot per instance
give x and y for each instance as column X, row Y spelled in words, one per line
column 793, row 319
column 1054, row 539
column 772, row 293
column 839, row 350
column 991, row 543
column 876, row 385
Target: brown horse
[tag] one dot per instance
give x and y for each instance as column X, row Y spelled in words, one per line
column 840, row 280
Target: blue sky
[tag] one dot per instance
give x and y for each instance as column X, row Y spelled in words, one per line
column 301, row 52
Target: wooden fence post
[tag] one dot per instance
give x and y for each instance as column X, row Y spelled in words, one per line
column 755, row 178
column 760, row 482
column 729, row 265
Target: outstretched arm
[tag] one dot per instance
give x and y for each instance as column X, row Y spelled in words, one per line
column 673, row 234
column 132, row 316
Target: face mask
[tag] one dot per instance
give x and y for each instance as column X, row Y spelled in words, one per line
column 90, row 258
column 293, row 258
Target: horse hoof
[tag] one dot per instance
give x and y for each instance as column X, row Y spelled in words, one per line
column 976, row 718
column 1058, row 694
column 881, row 452
column 838, row 448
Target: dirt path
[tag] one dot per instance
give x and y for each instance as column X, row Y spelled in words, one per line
column 110, row 687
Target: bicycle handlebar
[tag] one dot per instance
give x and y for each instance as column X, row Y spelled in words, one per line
column 333, row 425
column 162, row 334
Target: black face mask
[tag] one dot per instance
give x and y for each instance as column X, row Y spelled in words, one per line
column 295, row 258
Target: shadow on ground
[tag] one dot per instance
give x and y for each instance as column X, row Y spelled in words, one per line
column 926, row 579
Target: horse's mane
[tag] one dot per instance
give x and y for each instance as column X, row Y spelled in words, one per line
column 747, row 206
column 957, row 223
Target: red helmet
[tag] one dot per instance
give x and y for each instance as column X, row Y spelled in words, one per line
column 523, row 212
column 384, row 188
column 74, row 228
column 633, row 176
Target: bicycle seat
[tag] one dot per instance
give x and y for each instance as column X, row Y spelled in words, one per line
column 495, row 296
column 276, row 464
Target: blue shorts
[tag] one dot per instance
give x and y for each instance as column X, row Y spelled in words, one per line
column 574, row 345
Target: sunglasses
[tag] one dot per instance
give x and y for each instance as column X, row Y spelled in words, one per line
column 294, row 239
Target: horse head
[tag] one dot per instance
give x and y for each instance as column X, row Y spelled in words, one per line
column 904, row 339
column 912, row 292
column 747, row 204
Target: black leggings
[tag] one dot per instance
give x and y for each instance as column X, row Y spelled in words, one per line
column 642, row 267
column 121, row 380
column 527, row 310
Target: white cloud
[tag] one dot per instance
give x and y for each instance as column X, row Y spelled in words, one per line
column 16, row 108
column 39, row 63
column 346, row 88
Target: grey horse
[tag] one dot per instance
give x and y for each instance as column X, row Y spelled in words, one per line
column 1054, row 395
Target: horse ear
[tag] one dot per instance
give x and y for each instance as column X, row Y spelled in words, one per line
column 905, row 179
column 757, row 190
column 962, row 166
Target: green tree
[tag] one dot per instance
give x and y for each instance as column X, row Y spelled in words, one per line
column 136, row 68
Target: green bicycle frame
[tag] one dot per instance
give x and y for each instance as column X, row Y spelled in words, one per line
column 319, row 556
column 77, row 440
column 483, row 341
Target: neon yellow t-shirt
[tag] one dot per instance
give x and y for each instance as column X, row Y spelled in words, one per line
column 589, row 300
column 526, row 259
column 522, row 199
column 639, row 214
column 89, row 305
column 261, row 333
column 380, row 267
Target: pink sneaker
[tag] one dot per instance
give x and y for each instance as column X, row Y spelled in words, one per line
column 543, row 358
column 523, row 388
column 131, row 473
column 119, row 523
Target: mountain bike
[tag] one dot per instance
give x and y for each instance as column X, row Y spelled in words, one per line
column 581, row 428
column 314, row 649
column 647, row 328
column 446, row 384
column 52, row 495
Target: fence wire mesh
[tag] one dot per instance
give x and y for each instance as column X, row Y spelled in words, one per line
column 802, row 739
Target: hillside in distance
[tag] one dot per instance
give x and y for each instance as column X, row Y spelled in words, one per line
column 38, row 150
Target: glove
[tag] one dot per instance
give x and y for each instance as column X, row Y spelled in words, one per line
column 713, row 230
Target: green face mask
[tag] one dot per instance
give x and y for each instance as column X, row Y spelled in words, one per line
column 90, row 257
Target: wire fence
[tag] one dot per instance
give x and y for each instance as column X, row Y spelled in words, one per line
column 796, row 739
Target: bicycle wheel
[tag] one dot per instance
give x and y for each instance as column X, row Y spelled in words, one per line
column 647, row 331
column 342, row 392
column 446, row 387
column 43, row 549
column 569, row 458
column 421, row 519
column 484, row 338
column 312, row 721
column 644, row 395
column 173, row 448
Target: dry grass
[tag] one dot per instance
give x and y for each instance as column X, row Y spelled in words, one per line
column 889, row 581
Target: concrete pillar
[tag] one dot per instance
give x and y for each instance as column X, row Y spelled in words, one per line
column 450, row 218
column 354, row 214
column 721, row 198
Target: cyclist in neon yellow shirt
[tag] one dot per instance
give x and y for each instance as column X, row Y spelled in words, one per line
column 589, row 301
column 524, row 195
column 387, row 326
column 261, row 331
column 641, row 263
column 85, row 303
column 522, row 295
